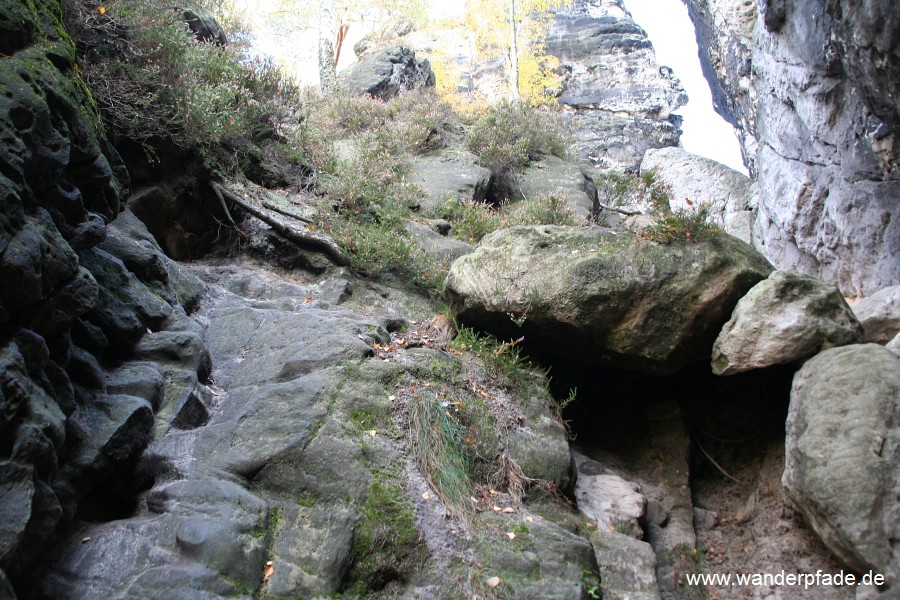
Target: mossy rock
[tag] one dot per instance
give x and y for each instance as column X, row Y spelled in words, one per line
column 593, row 297
column 386, row 544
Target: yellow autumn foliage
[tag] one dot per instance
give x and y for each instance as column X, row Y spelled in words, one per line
column 490, row 23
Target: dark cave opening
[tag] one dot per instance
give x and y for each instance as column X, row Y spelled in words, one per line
column 611, row 406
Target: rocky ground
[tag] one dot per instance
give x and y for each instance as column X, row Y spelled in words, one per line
column 188, row 412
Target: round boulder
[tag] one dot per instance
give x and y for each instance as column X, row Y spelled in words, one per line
column 783, row 319
column 842, row 453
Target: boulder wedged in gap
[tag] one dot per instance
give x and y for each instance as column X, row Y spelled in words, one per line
column 880, row 315
column 785, row 318
column 594, row 297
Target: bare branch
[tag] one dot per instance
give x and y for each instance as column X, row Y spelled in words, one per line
column 302, row 237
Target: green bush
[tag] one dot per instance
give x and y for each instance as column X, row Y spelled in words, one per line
column 379, row 250
column 425, row 121
column 504, row 362
column 682, row 227
column 471, row 220
column 508, row 136
column 545, row 209
column 153, row 80
column 617, row 189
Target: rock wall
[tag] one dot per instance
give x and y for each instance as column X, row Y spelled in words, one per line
column 814, row 87
column 622, row 99
column 71, row 304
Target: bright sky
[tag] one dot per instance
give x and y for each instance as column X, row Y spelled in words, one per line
column 670, row 29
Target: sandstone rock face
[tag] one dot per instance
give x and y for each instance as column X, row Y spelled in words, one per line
column 595, row 297
column 386, row 73
column 554, row 176
column 622, row 98
column 57, row 190
column 448, row 173
column 724, row 30
column 292, row 465
column 842, row 457
column 819, row 116
column 880, row 315
column 727, row 192
column 434, row 244
column 784, row 318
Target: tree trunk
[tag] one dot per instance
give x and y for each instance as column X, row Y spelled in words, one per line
column 327, row 67
column 513, row 54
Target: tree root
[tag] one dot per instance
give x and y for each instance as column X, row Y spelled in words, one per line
column 621, row 211
column 302, row 237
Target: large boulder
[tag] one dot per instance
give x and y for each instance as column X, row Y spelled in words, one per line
column 593, row 297
column 387, row 73
column 842, row 453
column 783, row 319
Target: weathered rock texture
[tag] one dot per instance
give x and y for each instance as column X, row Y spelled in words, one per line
column 57, row 190
column 693, row 181
column 842, row 457
column 622, row 98
column 880, row 314
column 785, row 318
column 594, row 297
column 386, row 73
column 814, row 87
column 450, row 173
column 287, row 458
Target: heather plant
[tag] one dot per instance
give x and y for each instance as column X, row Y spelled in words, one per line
column 153, row 80
column 682, row 226
column 543, row 209
column 473, row 220
column 508, row 136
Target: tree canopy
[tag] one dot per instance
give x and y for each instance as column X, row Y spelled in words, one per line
column 515, row 32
